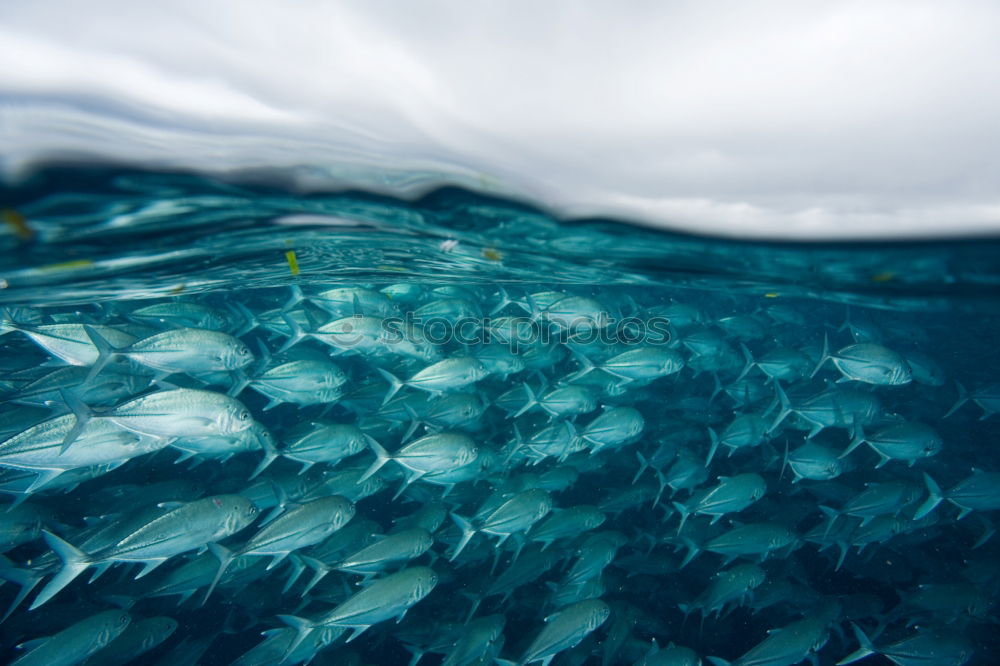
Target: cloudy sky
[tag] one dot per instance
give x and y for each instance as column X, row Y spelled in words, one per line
column 801, row 119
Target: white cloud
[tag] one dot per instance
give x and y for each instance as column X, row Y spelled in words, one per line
column 801, row 119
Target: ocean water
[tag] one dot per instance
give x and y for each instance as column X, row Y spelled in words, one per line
column 763, row 331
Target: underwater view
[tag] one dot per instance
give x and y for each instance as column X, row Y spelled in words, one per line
column 247, row 426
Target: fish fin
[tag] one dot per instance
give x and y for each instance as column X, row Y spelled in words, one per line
column 240, row 383
column 832, row 515
column 294, row 299
column 468, row 531
column 714, row 438
column 586, row 366
column 934, row 497
column 43, row 477
column 415, row 422
column 75, row 562
column 684, row 511
column 33, row 644
column 784, row 464
column 988, row 531
column 643, row 466
column 225, row 557
column 270, row 455
column 718, row 661
column 531, row 402
column 149, row 566
column 505, row 300
column 748, row 357
column 693, row 551
column 786, row 407
column 81, row 412
column 394, row 384
column 662, row 481
column 105, row 352
column 302, row 626
column 381, row 458
column 963, row 397
column 27, row 579
column 321, row 568
column 866, row 648
column 824, row 357
column 410, row 478
column 716, row 387
column 295, row 571
column 249, row 323
column 357, row 631
column 276, row 559
column 297, row 336
column 859, row 439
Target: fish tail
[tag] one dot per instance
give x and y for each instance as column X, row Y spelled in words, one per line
column 934, row 497
column 784, row 461
column 225, row 557
column 693, row 551
column 468, row 531
column 963, row 397
column 684, row 511
column 394, row 384
column 832, row 515
column 748, row 357
column 662, row 481
column 505, row 300
column 863, row 651
column 270, row 455
column 531, row 402
column 81, row 411
column 27, row 579
column 297, row 334
column 250, row 321
column 294, row 299
column 586, row 366
column 75, row 562
column 714, row 438
column 105, row 351
column 824, row 357
column 643, row 466
column 716, row 387
column 321, row 569
column 786, row 407
column 381, row 458
column 302, row 626
column 859, row 439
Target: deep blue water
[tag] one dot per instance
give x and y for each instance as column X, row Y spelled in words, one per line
column 98, row 243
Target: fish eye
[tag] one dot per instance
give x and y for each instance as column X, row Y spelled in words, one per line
column 244, row 415
column 123, row 620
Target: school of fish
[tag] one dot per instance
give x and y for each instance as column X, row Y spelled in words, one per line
column 459, row 474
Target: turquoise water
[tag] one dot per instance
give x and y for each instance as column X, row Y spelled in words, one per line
column 104, row 234
column 94, row 246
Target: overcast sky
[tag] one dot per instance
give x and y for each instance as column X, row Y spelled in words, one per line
column 798, row 118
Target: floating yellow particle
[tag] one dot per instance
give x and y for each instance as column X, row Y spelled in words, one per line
column 885, row 276
column 67, row 265
column 293, row 262
column 18, row 224
column 771, row 294
column 492, row 254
